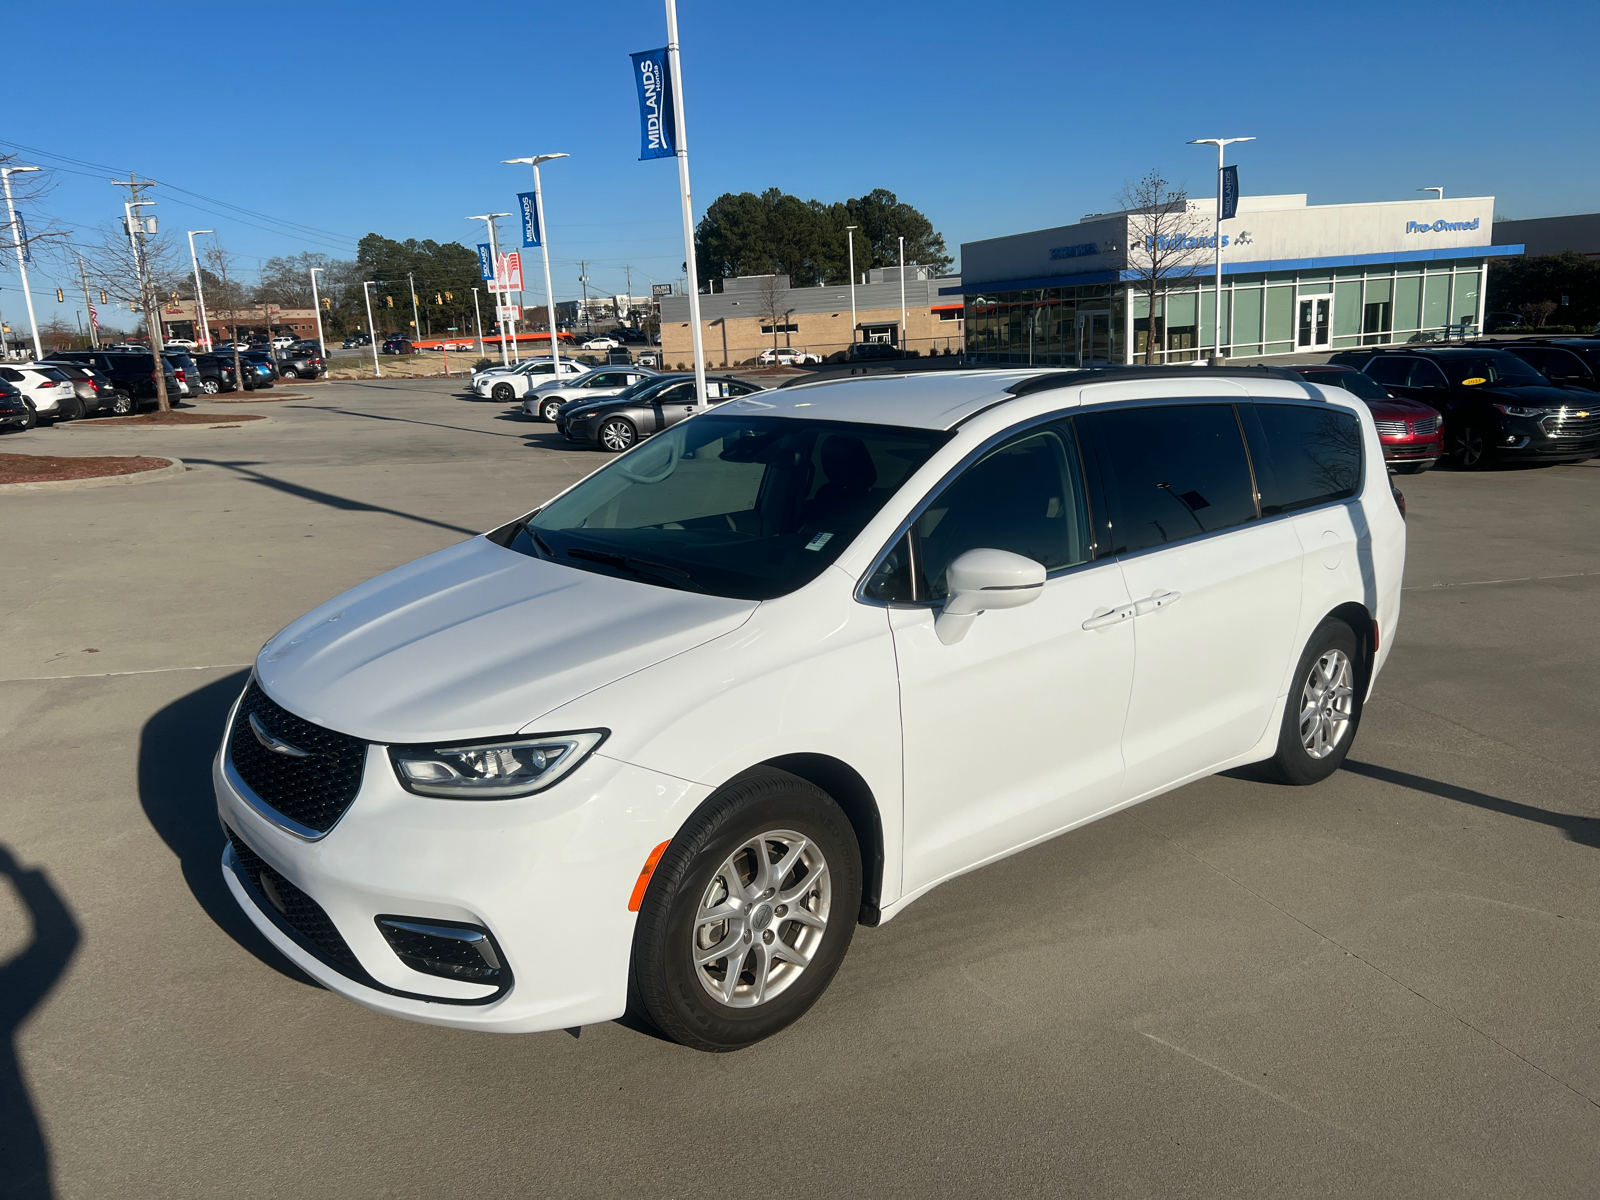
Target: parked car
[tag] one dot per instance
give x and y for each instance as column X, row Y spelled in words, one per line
column 260, row 369
column 95, row 394
column 216, row 373
column 1500, row 322
column 132, row 374
column 1412, row 433
column 543, row 404
column 185, row 372
column 396, row 344
column 283, row 341
column 51, row 391
column 787, row 356
column 631, row 337
column 180, row 344
column 357, row 339
column 301, row 364
column 16, row 410
column 617, row 423
column 1564, row 361
column 661, row 743
column 512, row 383
column 650, row 358
column 1496, row 407
column 874, row 352
column 600, row 343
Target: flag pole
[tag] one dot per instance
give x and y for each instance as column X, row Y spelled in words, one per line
column 675, row 63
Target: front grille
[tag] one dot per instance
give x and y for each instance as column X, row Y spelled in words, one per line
column 302, row 914
column 1426, row 425
column 313, row 791
column 1391, row 428
column 1571, row 425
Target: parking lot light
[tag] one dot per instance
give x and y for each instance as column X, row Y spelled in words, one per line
column 850, row 233
column 22, row 257
column 316, row 307
column 544, row 247
column 1216, row 248
column 372, row 329
column 199, row 293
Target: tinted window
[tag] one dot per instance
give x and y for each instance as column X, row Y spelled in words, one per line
column 1425, row 375
column 751, row 507
column 1024, row 496
column 1389, row 370
column 1304, row 455
column 1357, row 384
column 1494, row 367
column 1561, row 364
column 1171, row 472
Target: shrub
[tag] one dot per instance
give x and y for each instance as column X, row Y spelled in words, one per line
column 483, row 364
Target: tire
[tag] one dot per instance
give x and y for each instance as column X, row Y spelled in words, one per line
column 122, row 405
column 617, row 434
column 210, row 387
column 1469, row 448
column 1411, row 468
column 1323, row 711
column 71, row 410
column 775, row 966
column 32, row 419
column 502, row 393
column 290, row 373
column 550, row 409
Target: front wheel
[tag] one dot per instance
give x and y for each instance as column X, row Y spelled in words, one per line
column 1469, row 449
column 748, row 914
column 502, row 392
column 617, row 435
column 1323, row 709
column 122, row 405
column 550, row 409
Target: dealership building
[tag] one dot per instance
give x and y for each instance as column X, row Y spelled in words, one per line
column 1296, row 278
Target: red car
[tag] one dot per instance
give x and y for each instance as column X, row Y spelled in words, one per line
column 1412, row 433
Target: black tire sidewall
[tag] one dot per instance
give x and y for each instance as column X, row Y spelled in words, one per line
column 1292, row 764
column 502, row 392
column 665, row 985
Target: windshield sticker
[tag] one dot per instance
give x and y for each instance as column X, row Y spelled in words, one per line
column 1474, row 381
column 818, row 542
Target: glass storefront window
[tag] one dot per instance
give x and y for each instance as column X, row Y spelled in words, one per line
column 1407, row 303
column 1436, row 302
column 1246, row 319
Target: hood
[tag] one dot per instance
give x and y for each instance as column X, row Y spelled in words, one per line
column 1534, row 395
column 477, row 641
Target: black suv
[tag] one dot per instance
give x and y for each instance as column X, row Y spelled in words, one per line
column 1566, row 361
column 216, row 373
column 132, row 374
column 874, row 352
column 1496, row 407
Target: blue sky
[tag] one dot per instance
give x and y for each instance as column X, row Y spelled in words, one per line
column 991, row 118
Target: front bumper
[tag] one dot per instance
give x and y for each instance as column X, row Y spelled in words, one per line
column 548, row 875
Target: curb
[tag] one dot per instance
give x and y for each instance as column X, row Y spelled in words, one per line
column 174, row 467
column 221, row 421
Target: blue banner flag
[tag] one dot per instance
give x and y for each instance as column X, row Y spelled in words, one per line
column 530, row 218
column 658, row 134
column 22, row 239
column 1230, row 192
column 485, row 260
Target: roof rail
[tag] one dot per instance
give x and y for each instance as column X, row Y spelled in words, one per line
column 1060, row 379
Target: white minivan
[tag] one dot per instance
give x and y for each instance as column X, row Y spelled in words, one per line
column 783, row 668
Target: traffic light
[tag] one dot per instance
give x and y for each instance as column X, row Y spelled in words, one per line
column 60, row 298
column 438, row 297
column 448, row 296
column 390, row 299
column 327, row 303
column 103, row 297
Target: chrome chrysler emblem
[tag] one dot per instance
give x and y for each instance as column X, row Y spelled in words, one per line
column 276, row 744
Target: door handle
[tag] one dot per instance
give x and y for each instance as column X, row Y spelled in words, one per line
column 1109, row 616
column 1159, row 600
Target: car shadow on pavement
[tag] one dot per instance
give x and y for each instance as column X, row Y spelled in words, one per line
column 175, row 753
column 343, row 503
column 24, row 983
column 1583, row 830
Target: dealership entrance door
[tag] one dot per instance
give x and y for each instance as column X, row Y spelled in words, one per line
column 1094, row 339
column 1315, row 326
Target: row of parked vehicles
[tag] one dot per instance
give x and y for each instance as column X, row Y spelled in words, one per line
column 121, row 381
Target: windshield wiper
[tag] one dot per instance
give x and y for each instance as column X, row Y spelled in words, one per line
column 639, row 567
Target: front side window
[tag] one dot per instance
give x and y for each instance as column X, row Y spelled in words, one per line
column 745, row 507
column 1425, row 374
column 1304, row 455
column 1171, row 472
column 1391, row 370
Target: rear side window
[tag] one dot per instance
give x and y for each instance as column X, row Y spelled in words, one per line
column 1304, row 455
column 1171, row 472
column 1391, row 370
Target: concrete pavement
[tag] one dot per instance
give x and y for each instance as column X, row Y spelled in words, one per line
column 1382, row 985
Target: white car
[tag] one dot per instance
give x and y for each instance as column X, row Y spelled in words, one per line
column 283, row 341
column 788, row 357
column 791, row 663
column 51, row 390
column 544, row 400
column 514, row 384
column 602, row 343
column 182, row 344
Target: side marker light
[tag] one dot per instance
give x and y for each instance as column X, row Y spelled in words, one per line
column 637, row 898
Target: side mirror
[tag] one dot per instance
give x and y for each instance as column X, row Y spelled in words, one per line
column 983, row 579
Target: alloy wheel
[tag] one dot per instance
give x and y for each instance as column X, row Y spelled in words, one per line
column 761, row 918
column 122, row 405
column 1469, row 448
column 617, row 435
column 1327, row 702
column 551, row 409
column 210, row 387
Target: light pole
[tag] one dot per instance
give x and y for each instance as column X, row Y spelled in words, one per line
column 478, row 317
column 316, row 307
column 690, row 266
column 903, row 338
column 544, row 248
column 372, row 329
column 22, row 259
column 199, row 293
column 850, row 232
column 1440, row 190
column 494, row 256
column 1216, row 246
column 416, row 318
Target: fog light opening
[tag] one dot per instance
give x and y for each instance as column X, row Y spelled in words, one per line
column 443, row 948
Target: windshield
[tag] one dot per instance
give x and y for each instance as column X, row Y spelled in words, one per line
column 745, row 507
column 1503, row 368
column 1363, row 386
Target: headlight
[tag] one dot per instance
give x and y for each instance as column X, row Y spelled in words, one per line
column 1519, row 410
column 492, row 770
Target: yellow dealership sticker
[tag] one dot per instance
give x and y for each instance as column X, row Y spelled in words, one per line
column 1474, row 381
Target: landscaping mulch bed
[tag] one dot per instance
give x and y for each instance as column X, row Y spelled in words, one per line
column 171, row 418
column 45, row 468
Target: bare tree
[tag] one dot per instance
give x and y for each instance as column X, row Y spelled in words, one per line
column 1167, row 242
column 227, row 300
column 774, row 306
column 1538, row 312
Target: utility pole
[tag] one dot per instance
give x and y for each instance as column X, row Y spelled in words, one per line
column 416, row 320
column 147, row 294
column 629, row 270
column 903, row 336
column 199, row 294
column 583, row 278
column 94, row 320
column 316, row 307
column 372, row 329
column 22, row 254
